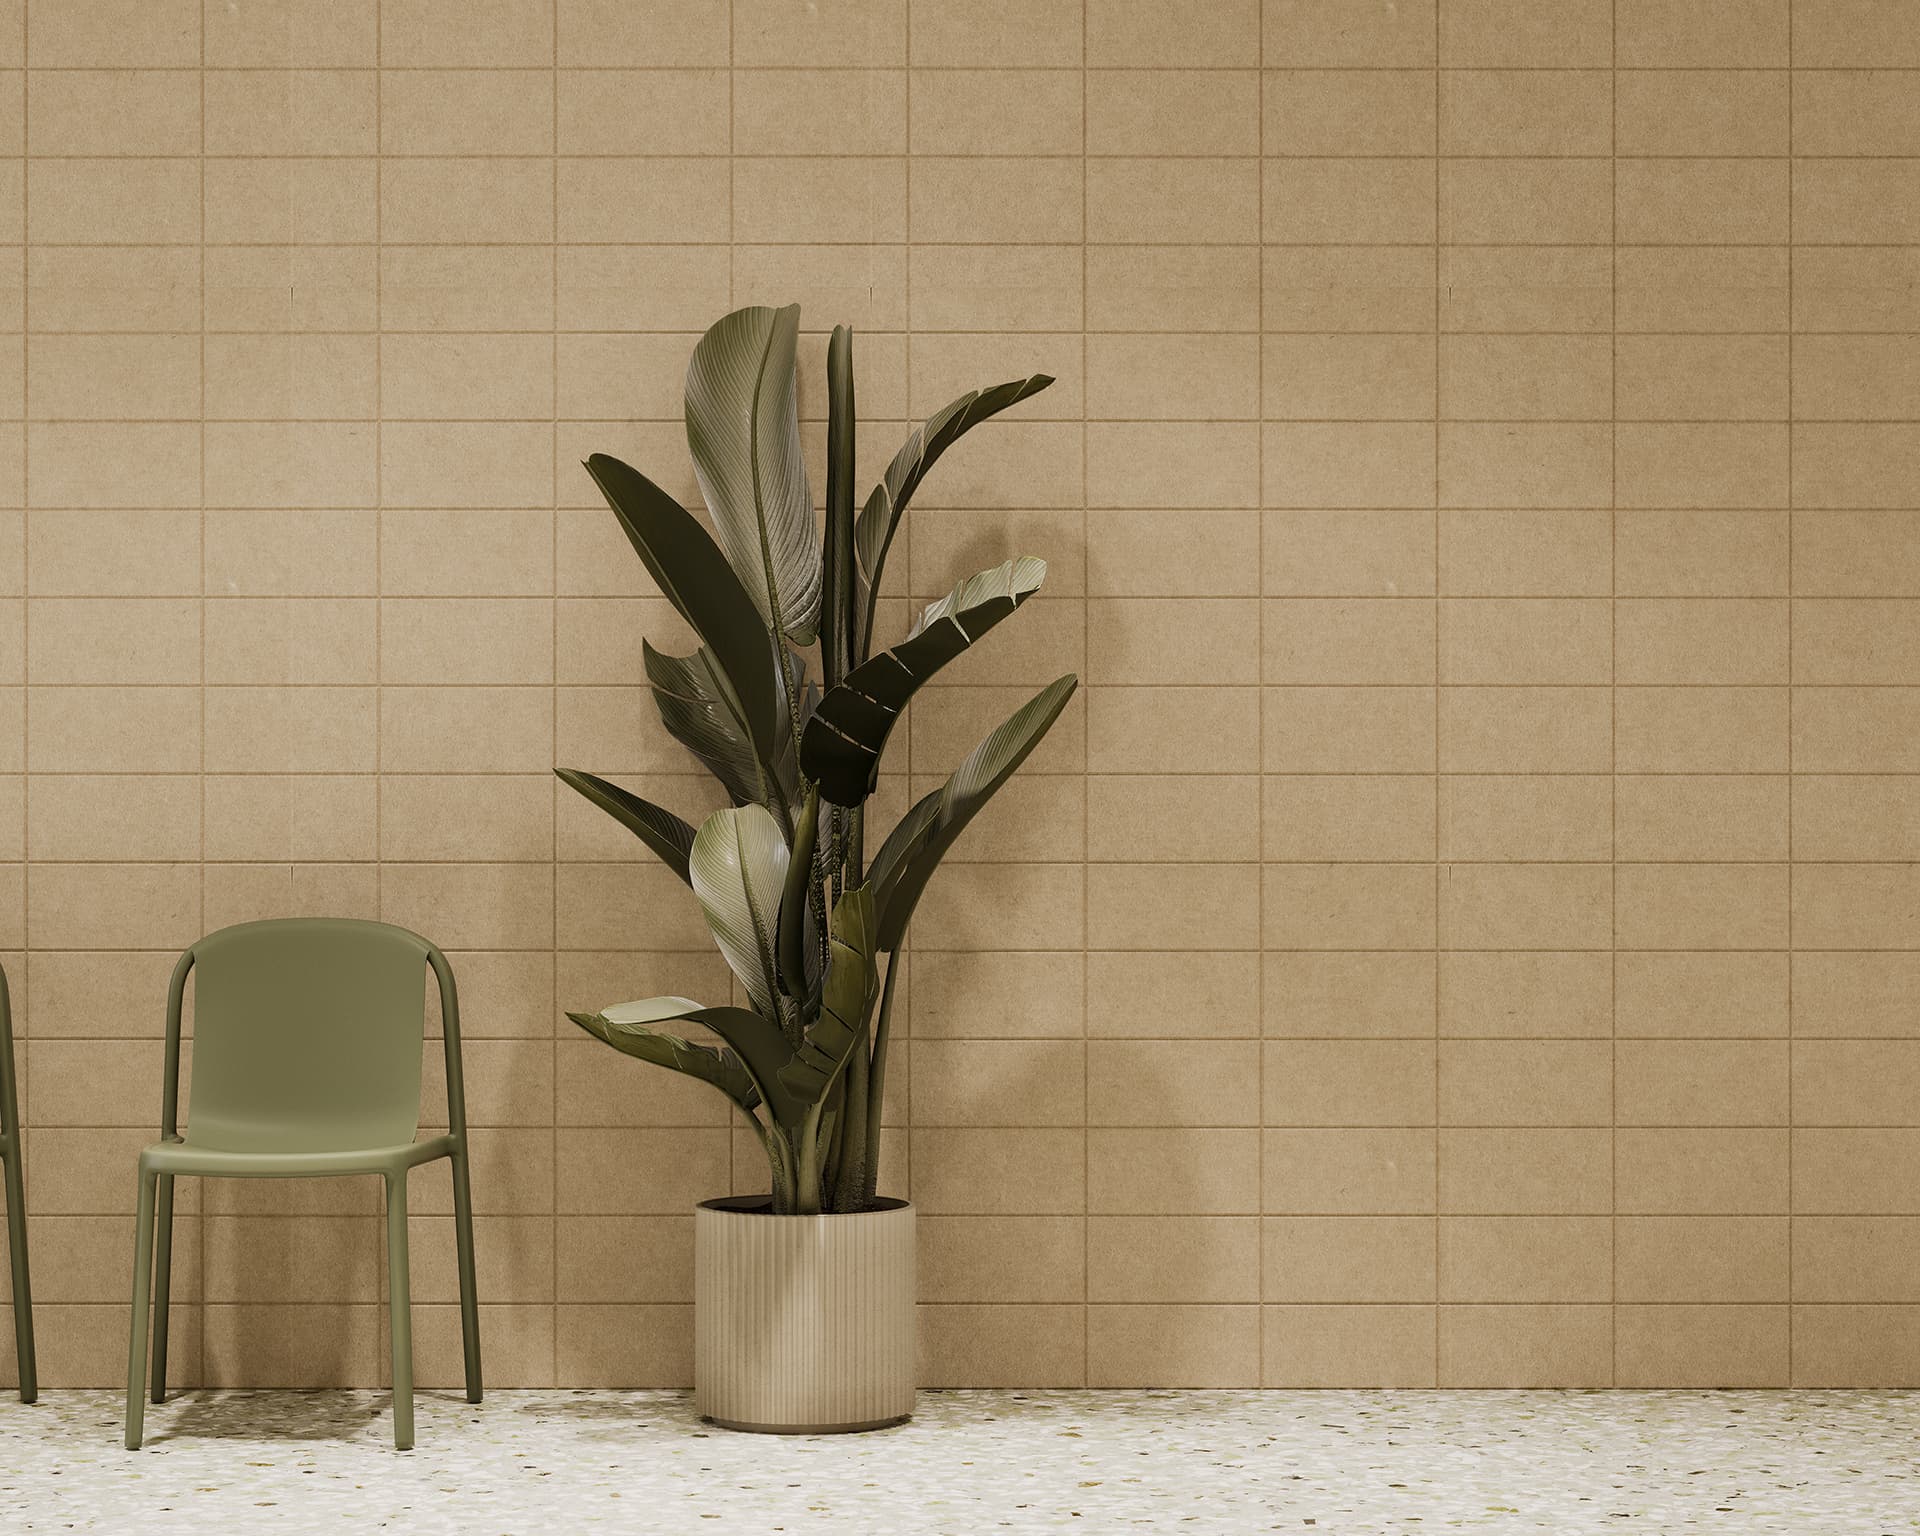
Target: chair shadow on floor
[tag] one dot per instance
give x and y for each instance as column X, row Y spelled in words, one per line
column 203, row 1413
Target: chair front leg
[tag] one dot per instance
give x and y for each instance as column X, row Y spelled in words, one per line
column 469, row 1299
column 162, row 1283
column 137, row 1341
column 17, row 1260
column 400, row 1310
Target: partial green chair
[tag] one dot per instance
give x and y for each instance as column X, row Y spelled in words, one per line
column 307, row 1036
column 16, row 1204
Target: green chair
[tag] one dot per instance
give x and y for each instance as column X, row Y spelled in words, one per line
column 306, row 1062
column 16, row 1204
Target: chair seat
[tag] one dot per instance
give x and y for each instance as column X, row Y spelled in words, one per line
column 213, row 1162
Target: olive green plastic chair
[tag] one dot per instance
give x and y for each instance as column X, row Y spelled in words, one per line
column 307, row 1036
column 16, row 1204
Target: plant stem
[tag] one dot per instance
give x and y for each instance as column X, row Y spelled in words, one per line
column 877, row 1081
column 836, row 1138
column 778, row 1164
column 850, row 1177
column 806, row 1200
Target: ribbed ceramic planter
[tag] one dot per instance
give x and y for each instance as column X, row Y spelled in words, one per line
column 803, row 1324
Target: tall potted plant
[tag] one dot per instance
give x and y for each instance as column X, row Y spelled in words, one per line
column 804, row 1296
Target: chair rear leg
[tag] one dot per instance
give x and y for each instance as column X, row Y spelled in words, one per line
column 400, row 1311
column 162, row 1283
column 17, row 1259
column 137, row 1341
column 469, row 1300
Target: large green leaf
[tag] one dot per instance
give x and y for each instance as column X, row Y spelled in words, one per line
column 737, row 866
column 840, row 579
column 662, row 831
column 844, row 1000
column 887, row 504
column 700, row 712
column 796, row 898
column 911, row 853
column 694, row 576
column 754, row 1042
column 743, row 426
column 627, row 1027
column 841, row 748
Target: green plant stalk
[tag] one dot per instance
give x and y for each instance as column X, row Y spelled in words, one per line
column 850, row 1177
column 836, row 1141
column 806, row 1197
column 877, row 1082
column 797, row 897
column 779, row 1162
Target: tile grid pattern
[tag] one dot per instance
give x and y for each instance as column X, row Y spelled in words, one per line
column 1551, row 1029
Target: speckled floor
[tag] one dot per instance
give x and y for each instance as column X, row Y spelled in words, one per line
column 1753, row 1463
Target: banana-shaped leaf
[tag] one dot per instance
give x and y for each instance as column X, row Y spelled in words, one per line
column 795, row 899
column 744, row 429
column 700, row 712
column 887, row 504
column 662, row 831
column 840, row 580
column 627, row 1027
column 844, row 1000
column 841, row 747
column 737, row 866
column 689, row 569
column 911, row 853
column 754, row 1042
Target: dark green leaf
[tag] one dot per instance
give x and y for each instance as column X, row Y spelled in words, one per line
column 911, row 853
column 841, row 748
column 662, row 831
column 744, row 429
column 795, row 897
column 754, row 1042
column 840, row 579
column 737, row 867
column 689, row 569
column 844, row 1001
column 880, row 517
column 700, row 712
column 626, row 1028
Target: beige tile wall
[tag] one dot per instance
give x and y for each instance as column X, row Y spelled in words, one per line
column 1465, row 930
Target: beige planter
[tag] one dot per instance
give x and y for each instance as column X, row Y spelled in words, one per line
column 803, row 1324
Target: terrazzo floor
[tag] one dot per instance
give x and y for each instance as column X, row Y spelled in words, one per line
column 1351, row 1463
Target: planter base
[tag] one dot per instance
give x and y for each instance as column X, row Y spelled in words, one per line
column 805, row 1429
column 803, row 1325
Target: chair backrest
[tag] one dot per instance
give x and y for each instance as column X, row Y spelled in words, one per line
column 306, row 1035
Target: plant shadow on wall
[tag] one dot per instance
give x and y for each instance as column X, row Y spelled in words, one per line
column 810, row 926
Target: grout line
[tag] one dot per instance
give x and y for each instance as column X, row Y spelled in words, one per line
column 1792, row 393
column 381, row 1289
column 1613, row 708
column 1702, row 337
column 1322, row 246
column 1439, row 661
column 1086, row 828
column 22, row 997
column 553, row 790
column 1109, row 157
column 714, row 66
column 1259, row 704
column 908, row 321
column 201, row 83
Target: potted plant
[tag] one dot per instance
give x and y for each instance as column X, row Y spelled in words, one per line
column 804, row 1316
